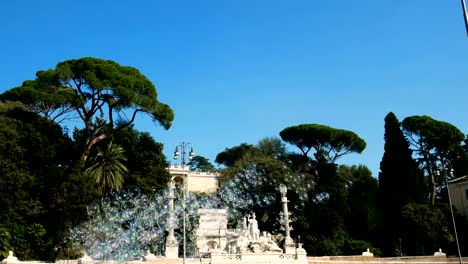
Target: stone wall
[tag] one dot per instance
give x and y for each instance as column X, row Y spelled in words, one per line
column 376, row 260
column 202, row 182
column 273, row 258
column 194, row 181
column 458, row 189
column 212, row 229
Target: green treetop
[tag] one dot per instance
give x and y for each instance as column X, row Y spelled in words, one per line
column 102, row 93
column 329, row 143
column 433, row 141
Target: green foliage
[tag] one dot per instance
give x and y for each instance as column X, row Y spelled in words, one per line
column 329, row 143
column 200, row 163
column 326, row 247
column 432, row 134
column 45, row 96
column 146, row 162
column 5, row 238
column 343, row 245
column 37, row 238
column 400, row 182
column 361, row 200
column 230, row 155
column 272, row 146
column 435, row 142
column 96, row 90
column 107, row 168
column 101, row 82
column 400, row 179
column 355, row 247
column 44, row 188
column 34, row 156
column 459, row 159
column 424, row 229
column 265, row 173
column 333, row 212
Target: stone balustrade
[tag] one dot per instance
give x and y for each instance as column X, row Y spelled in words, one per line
column 270, row 258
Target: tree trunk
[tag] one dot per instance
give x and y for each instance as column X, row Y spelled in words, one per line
column 431, row 175
column 90, row 144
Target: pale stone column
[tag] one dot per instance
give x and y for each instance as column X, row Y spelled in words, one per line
column 289, row 246
column 172, row 247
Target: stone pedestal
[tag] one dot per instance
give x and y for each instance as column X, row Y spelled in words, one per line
column 85, row 260
column 172, row 251
column 301, row 254
column 440, row 253
column 289, row 246
column 10, row 258
column 368, row 253
column 150, row 258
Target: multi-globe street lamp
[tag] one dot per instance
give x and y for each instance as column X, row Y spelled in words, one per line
column 183, row 147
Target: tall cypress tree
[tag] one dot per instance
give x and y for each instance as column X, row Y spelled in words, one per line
column 400, row 182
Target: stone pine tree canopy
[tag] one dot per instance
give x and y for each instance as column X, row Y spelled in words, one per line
column 329, row 143
column 435, row 142
column 103, row 94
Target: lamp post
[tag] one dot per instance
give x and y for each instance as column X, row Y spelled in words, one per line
column 183, row 147
column 451, row 211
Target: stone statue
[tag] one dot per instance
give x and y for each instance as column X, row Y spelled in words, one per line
column 254, row 232
column 272, row 246
column 268, row 244
column 264, row 241
column 242, row 243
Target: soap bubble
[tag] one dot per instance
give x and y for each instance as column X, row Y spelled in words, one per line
column 92, row 209
column 299, row 205
column 128, row 205
column 304, row 196
column 134, row 192
column 263, row 201
column 322, row 197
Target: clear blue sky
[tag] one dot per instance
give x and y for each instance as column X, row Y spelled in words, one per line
column 239, row 71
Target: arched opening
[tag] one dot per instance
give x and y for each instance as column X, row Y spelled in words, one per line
column 212, row 245
column 178, row 180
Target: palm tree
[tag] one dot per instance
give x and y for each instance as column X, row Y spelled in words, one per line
column 107, row 168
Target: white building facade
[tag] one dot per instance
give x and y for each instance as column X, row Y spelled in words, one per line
column 194, row 181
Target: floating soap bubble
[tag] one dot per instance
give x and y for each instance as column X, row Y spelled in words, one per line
column 128, row 205
column 120, row 195
column 263, row 201
column 134, row 192
column 322, row 197
column 299, row 205
column 92, row 209
column 115, row 204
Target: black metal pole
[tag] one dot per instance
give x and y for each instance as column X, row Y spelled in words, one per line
column 453, row 220
column 465, row 15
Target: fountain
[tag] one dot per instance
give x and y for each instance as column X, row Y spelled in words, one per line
column 126, row 225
